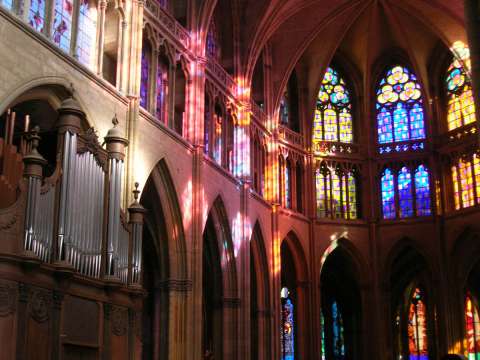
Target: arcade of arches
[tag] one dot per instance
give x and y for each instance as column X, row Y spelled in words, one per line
column 239, row 179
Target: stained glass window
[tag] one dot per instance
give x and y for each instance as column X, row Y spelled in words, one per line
column 162, row 92
column 388, row 195
column 466, row 182
column 472, row 323
column 62, row 23
column 217, row 151
column 36, row 14
column 422, row 191
column 288, row 185
column 163, row 3
column 322, row 329
column 87, row 32
column 352, row 196
column 338, row 333
column 213, row 49
column 336, row 193
column 144, row 75
column 287, row 330
column 417, row 327
column 333, row 118
column 405, row 192
column 284, row 109
column 400, row 114
column 323, row 193
column 8, row 4
column 461, row 108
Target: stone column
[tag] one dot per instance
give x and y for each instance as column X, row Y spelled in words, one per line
column 472, row 24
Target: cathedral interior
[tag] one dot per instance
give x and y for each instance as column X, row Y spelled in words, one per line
column 239, row 179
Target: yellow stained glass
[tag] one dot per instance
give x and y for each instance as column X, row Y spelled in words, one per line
column 352, row 197
column 346, row 127
column 317, row 127
column 454, row 116
column 476, row 172
column 330, row 118
column 456, row 189
column 468, row 106
column 466, row 183
column 336, row 195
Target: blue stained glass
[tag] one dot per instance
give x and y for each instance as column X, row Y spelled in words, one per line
column 384, row 127
column 400, row 123
column 417, row 129
column 422, row 191
column 338, row 336
column 36, row 14
column 7, row 4
column 405, row 193
column 400, row 114
column 144, row 75
column 388, row 195
column 62, row 23
column 287, row 331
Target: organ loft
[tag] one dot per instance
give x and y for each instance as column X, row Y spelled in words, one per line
column 239, row 179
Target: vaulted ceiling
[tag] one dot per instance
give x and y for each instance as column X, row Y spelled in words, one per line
column 306, row 34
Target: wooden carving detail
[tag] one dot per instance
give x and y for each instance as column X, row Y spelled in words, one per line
column 40, row 305
column 8, row 297
column 119, row 320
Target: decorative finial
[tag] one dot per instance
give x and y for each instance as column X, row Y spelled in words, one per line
column 34, row 139
column 136, row 192
column 115, row 121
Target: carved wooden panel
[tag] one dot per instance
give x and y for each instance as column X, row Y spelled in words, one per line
column 80, row 323
column 8, row 305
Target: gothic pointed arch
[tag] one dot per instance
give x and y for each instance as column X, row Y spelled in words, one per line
column 220, row 299
column 260, row 300
column 342, row 280
column 412, row 302
column 165, row 276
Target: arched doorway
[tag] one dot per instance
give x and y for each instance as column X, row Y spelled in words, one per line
column 341, row 309
column 294, row 337
column 220, row 301
column 412, row 307
column 164, row 271
column 260, row 316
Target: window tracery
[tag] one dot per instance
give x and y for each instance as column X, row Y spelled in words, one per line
column 287, row 330
column 461, row 107
column 406, row 192
column 400, row 115
column 333, row 112
column 336, row 192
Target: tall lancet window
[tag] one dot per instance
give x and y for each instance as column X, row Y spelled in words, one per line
column 472, row 328
column 406, row 192
column 287, row 330
column 461, row 108
column 86, row 33
column 336, row 193
column 333, row 112
column 162, row 92
column 213, row 49
column 337, row 333
column 36, row 14
column 400, row 116
column 62, row 24
column 417, row 327
column 145, row 74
